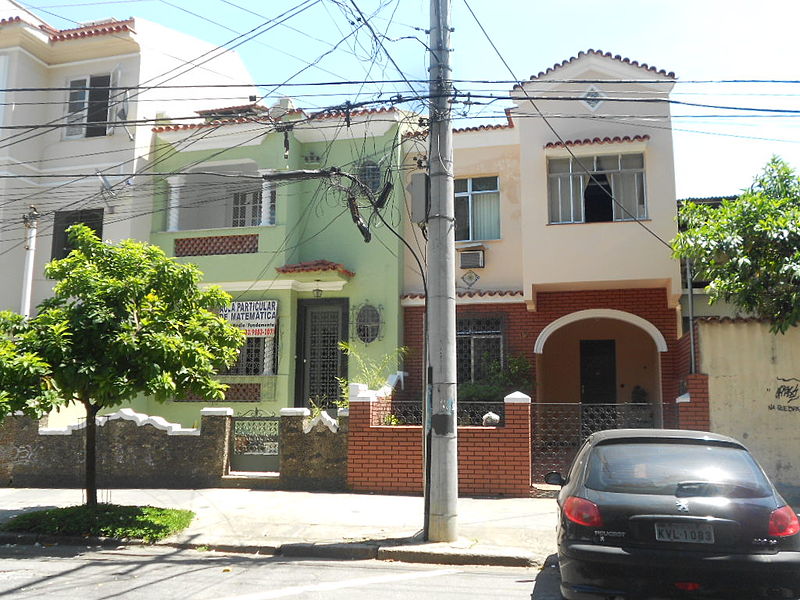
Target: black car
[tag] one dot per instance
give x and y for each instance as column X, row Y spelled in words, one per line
column 659, row 513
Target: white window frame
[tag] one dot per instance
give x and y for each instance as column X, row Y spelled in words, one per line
column 470, row 195
column 577, row 176
column 246, row 209
column 76, row 116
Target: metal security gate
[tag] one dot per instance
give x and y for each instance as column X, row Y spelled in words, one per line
column 560, row 429
column 255, row 444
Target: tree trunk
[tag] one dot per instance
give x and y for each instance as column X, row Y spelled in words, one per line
column 91, row 452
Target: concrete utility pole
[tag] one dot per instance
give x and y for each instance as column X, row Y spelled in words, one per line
column 31, row 221
column 441, row 301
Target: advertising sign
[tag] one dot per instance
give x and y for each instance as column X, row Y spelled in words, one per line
column 256, row 317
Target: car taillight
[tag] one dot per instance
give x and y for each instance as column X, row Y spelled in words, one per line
column 582, row 512
column 783, row 522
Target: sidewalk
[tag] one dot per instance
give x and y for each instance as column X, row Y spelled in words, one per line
column 492, row 531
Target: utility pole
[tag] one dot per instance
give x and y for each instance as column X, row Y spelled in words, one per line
column 441, row 302
column 31, row 221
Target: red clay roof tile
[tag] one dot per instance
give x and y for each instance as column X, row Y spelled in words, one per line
column 85, row 31
column 617, row 57
column 315, row 265
column 590, row 141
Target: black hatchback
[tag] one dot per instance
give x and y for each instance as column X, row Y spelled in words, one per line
column 659, row 513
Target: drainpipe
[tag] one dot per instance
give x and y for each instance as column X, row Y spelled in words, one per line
column 690, row 281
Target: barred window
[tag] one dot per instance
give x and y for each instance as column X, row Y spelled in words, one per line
column 479, row 345
column 257, row 357
column 246, row 209
column 369, row 173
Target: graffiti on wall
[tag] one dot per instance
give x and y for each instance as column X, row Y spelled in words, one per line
column 786, row 392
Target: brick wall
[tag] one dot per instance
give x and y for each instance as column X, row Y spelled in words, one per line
column 523, row 327
column 388, row 459
column 695, row 414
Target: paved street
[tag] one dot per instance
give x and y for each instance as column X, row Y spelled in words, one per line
column 63, row 572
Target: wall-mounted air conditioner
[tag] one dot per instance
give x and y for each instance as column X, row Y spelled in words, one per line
column 471, row 259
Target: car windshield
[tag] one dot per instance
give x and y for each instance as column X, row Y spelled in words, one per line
column 675, row 469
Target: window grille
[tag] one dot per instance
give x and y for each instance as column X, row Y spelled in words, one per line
column 246, row 209
column 369, row 173
column 257, row 357
column 368, row 323
column 479, row 346
column 615, row 190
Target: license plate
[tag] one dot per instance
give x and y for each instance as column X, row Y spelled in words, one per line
column 691, row 533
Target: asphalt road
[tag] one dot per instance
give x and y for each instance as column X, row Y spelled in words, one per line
column 64, row 572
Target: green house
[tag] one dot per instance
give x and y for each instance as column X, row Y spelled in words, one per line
column 248, row 197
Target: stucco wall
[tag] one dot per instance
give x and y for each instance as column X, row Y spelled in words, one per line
column 754, row 390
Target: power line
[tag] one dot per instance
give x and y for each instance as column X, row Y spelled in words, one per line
column 558, row 136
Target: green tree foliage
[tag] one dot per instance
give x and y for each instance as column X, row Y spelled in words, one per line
column 123, row 320
column 749, row 248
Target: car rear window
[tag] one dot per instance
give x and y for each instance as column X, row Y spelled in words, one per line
column 675, row 468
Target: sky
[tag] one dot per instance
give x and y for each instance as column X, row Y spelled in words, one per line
column 704, row 42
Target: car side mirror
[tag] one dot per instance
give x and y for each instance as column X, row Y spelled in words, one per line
column 554, row 478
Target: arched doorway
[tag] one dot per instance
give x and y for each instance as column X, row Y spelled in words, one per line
column 596, row 369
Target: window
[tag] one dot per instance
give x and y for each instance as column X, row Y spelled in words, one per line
column 477, row 209
column 246, row 209
column 92, row 218
column 257, row 357
column 369, row 173
column 613, row 192
column 88, row 106
column 479, row 345
column 368, row 323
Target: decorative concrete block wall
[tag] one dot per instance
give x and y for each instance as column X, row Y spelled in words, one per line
column 388, row 459
column 313, row 451
column 133, row 450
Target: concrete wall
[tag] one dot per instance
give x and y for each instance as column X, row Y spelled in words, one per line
column 133, row 450
column 754, row 391
column 313, row 452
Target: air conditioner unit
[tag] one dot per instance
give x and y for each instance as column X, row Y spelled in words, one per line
column 471, row 259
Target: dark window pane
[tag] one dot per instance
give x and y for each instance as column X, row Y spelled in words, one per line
column 98, row 106
column 484, row 184
column 460, row 186
column 462, row 219
column 92, row 218
column 653, row 468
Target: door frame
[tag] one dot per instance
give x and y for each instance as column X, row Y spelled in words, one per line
column 302, row 324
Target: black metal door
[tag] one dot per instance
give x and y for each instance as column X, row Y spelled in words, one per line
column 598, row 372
column 323, row 324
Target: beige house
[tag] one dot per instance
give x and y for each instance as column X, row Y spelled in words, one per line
column 77, row 112
column 563, row 228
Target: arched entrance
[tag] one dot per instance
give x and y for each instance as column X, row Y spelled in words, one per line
column 596, row 369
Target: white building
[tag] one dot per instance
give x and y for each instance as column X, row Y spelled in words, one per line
column 82, row 101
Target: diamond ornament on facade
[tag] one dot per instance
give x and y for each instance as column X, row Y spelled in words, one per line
column 593, row 97
column 470, row 278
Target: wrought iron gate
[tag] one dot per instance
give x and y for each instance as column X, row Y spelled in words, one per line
column 254, row 443
column 560, row 429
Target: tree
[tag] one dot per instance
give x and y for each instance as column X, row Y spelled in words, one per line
column 123, row 320
column 749, row 248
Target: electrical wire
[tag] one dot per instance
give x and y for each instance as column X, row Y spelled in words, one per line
column 558, row 136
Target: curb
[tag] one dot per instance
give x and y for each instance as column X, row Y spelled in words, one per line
column 498, row 557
